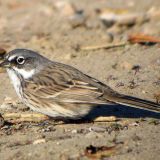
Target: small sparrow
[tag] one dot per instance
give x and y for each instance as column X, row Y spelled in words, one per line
column 59, row 90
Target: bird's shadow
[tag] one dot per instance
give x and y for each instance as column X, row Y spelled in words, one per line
column 121, row 111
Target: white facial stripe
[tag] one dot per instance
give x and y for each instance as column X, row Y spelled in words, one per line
column 11, row 57
column 25, row 74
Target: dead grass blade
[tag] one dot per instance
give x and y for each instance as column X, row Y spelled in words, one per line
column 103, row 46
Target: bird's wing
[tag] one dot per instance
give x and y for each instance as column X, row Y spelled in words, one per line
column 62, row 86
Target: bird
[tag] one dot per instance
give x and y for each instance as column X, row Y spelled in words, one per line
column 59, row 90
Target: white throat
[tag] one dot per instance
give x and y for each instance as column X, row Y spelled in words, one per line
column 15, row 79
column 25, row 74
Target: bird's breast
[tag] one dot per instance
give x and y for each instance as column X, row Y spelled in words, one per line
column 15, row 80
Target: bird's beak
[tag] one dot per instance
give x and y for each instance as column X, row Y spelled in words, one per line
column 5, row 64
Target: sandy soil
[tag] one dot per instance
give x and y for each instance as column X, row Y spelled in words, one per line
column 46, row 28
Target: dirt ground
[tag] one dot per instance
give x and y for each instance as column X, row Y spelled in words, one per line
column 60, row 30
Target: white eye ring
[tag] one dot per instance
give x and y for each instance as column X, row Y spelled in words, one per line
column 20, row 60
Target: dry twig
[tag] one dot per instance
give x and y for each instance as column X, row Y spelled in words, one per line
column 143, row 39
column 103, row 46
column 24, row 117
column 37, row 117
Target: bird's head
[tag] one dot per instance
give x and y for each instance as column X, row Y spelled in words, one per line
column 23, row 62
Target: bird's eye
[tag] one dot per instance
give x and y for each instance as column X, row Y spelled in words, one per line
column 20, row 60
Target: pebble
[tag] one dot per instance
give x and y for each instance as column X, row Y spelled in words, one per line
column 58, row 143
column 1, row 121
column 66, row 8
column 8, row 103
column 97, row 129
column 144, row 92
column 93, row 135
column 154, row 12
column 115, row 29
column 48, row 129
column 126, row 65
column 83, row 131
column 128, row 19
column 119, row 84
column 134, row 124
column 109, row 37
column 77, row 19
column 74, row 131
column 38, row 141
column 157, row 62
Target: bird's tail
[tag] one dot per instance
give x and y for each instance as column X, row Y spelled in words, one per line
column 137, row 103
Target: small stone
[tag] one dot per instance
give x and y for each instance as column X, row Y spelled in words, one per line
column 48, row 129
column 144, row 92
column 78, row 19
column 38, row 141
column 97, row 129
column 119, row 84
column 8, row 103
column 109, row 37
column 58, row 143
column 74, row 131
column 92, row 135
column 115, row 30
column 1, row 121
column 6, row 127
column 83, row 131
column 134, row 124
column 126, row 65
column 136, row 67
column 66, row 8
column 127, row 19
column 156, row 61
